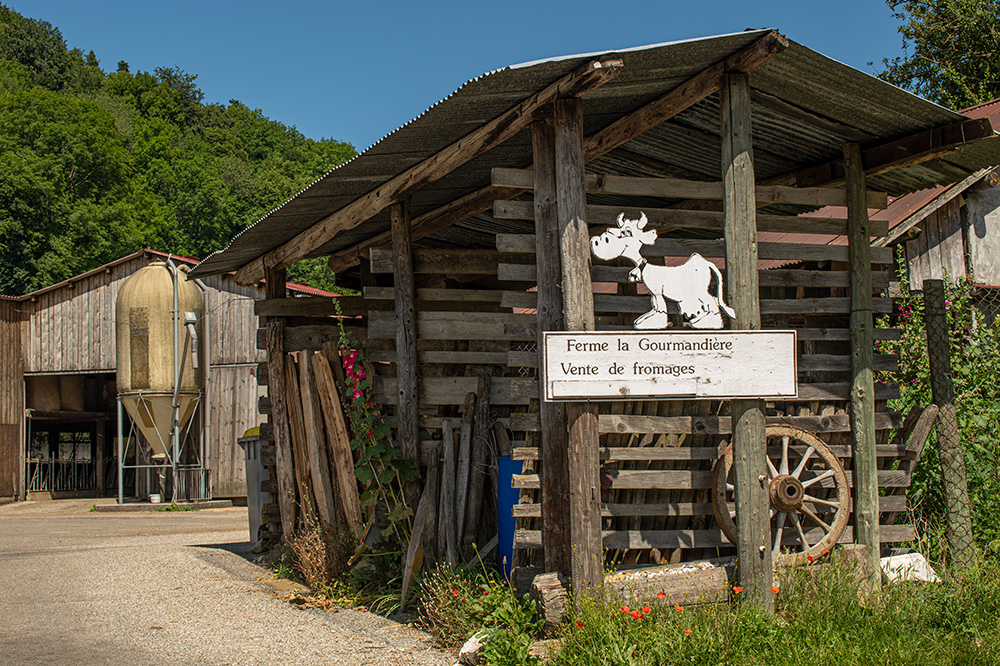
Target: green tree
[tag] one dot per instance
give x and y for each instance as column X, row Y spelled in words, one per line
column 950, row 50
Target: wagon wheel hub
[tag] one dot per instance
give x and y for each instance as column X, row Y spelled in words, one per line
column 786, row 493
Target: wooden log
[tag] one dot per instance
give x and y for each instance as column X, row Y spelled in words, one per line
column 447, row 529
column 887, row 452
column 284, row 463
column 549, row 312
column 749, row 441
column 479, row 463
column 578, row 308
column 952, row 460
column 303, row 306
column 432, row 485
column 414, row 550
column 464, row 460
column 407, row 368
column 677, row 188
column 550, row 592
column 687, row 584
column 297, row 427
column 260, row 372
column 338, row 441
column 450, row 262
column 329, row 510
column 862, row 345
column 435, row 294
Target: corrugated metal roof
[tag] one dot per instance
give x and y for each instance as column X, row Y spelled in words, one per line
column 805, row 107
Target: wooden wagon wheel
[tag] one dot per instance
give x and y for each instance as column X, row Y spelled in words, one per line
column 807, row 488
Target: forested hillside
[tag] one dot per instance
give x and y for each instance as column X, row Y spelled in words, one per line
column 95, row 164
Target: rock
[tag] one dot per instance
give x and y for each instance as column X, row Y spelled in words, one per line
column 908, row 566
column 472, row 651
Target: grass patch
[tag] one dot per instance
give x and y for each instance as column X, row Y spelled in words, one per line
column 819, row 620
column 173, row 506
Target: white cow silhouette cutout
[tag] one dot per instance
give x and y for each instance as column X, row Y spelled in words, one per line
column 688, row 284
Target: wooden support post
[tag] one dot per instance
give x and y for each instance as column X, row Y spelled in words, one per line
column 275, row 288
column 587, row 566
column 327, row 507
column 404, row 293
column 866, row 530
column 753, row 542
column 554, row 454
column 956, row 491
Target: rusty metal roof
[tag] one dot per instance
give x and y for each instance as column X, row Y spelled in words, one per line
column 805, row 106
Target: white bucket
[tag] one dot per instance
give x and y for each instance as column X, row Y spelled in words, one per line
column 155, row 499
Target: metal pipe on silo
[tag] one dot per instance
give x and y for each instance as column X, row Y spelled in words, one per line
column 121, row 454
column 175, row 407
column 206, row 410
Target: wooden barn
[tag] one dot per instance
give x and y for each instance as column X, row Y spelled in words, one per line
column 470, row 231
column 58, row 417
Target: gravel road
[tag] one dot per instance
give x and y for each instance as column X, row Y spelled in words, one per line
column 81, row 587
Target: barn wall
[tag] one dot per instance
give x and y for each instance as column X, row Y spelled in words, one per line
column 11, row 399
column 938, row 252
column 72, row 330
column 984, row 235
column 233, row 400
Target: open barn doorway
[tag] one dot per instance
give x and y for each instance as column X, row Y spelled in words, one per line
column 69, row 436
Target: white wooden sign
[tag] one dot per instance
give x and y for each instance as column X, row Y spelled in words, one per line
column 631, row 365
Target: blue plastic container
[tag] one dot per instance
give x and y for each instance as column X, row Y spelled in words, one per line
column 506, row 499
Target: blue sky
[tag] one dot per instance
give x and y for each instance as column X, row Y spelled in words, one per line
column 355, row 71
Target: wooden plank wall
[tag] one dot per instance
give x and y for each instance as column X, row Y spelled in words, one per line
column 657, row 456
column 11, row 398
column 939, row 251
column 234, row 396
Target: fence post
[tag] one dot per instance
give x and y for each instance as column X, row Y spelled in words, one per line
column 956, row 492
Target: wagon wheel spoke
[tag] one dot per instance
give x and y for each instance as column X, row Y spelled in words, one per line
column 802, row 463
column 771, row 468
column 818, row 500
column 784, row 454
column 802, row 534
column 816, row 479
column 780, row 530
column 813, row 517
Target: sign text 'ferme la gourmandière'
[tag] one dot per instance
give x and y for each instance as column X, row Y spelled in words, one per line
column 630, row 365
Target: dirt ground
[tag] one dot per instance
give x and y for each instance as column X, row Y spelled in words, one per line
column 82, row 587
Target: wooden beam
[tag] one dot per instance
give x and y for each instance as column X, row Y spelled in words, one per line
column 587, row 566
column 408, row 398
column 684, row 96
column 676, row 188
column 681, row 218
column 908, row 151
column 557, row 551
column 755, row 569
column 274, row 288
column 489, row 135
column 862, row 351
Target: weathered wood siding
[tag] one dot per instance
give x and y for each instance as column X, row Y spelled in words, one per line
column 233, row 396
column 939, row 251
column 984, row 235
column 11, row 399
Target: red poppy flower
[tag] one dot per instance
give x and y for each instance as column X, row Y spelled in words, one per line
column 454, row 593
column 636, row 615
column 678, row 608
column 687, row 632
column 647, row 610
column 774, row 589
column 579, row 625
column 809, row 557
column 737, row 589
column 626, row 610
column 660, row 595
